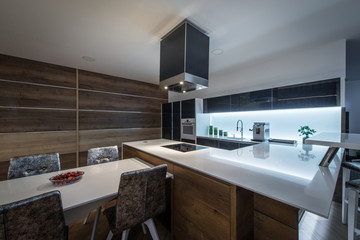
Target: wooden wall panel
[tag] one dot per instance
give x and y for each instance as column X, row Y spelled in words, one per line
column 34, row 120
column 68, row 161
column 24, row 70
column 101, row 82
column 16, row 94
column 4, row 166
column 38, row 111
column 21, row 144
column 106, row 101
column 107, row 137
column 106, row 120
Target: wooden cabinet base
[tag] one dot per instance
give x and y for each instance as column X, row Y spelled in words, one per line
column 207, row 208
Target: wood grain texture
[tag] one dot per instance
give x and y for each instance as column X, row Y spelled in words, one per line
column 242, row 214
column 106, row 83
column 214, row 193
column 266, row 228
column 108, row 120
column 206, row 218
column 187, row 230
column 31, row 120
column 106, row 101
column 26, row 95
column 24, row 70
column 68, row 161
column 129, row 152
column 281, row 212
column 108, row 137
column 21, row 144
column 4, row 166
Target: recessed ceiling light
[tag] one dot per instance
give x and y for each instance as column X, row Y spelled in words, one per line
column 165, row 87
column 217, row 51
column 181, row 82
column 88, row 59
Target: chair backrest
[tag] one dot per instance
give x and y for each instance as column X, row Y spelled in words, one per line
column 141, row 196
column 38, row 217
column 33, row 165
column 102, row 154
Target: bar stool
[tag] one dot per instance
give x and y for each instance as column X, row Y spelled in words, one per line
column 98, row 156
column 351, row 170
column 141, row 197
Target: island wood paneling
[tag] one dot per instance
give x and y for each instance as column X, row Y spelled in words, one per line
column 38, row 109
column 203, row 206
column 106, row 83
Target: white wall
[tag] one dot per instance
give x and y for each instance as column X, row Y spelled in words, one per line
column 320, row 62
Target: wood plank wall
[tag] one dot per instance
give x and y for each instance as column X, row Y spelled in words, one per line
column 38, row 109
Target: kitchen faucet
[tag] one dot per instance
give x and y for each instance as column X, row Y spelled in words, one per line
column 241, row 129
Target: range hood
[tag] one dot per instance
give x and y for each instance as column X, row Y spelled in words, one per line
column 184, row 58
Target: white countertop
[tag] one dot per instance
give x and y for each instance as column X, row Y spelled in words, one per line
column 289, row 174
column 340, row 140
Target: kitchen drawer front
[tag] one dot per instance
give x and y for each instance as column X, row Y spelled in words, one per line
column 202, row 201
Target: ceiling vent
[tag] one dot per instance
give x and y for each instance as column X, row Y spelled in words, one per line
column 184, row 58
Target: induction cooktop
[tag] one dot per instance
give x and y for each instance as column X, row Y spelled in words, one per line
column 184, row 147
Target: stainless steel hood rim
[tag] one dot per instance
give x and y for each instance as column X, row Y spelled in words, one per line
column 190, row 82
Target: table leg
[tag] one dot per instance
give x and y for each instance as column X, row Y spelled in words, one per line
column 98, row 211
column 329, row 156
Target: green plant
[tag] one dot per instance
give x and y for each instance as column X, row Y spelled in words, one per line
column 306, row 131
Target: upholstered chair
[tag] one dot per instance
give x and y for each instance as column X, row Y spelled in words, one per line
column 102, row 155
column 33, row 165
column 38, row 217
column 141, row 197
column 97, row 156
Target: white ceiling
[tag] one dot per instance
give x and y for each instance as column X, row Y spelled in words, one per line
column 123, row 35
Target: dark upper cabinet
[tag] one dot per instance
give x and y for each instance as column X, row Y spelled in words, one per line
column 250, row 101
column 188, row 108
column 176, row 121
column 217, row 104
column 308, row 95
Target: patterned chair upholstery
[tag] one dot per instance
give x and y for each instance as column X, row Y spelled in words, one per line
column 102, row 155
column 141, row 197
column 33, row 165
column 38, row 217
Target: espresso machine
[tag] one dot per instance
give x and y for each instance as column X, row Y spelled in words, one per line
column 261, row 131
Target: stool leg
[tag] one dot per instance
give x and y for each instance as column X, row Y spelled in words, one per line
column 151, row 225
column 98, row 211
column 125, row 234
column 353, row 197
column 344, row 204
column 110, row 235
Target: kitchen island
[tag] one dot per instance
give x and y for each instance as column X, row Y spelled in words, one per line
column 255, row 192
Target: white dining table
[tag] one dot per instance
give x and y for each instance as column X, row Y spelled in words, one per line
column 99, row 185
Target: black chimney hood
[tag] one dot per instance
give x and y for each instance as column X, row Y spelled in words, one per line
column 184, row 58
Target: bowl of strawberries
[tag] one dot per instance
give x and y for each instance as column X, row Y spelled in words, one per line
column 66, row 178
